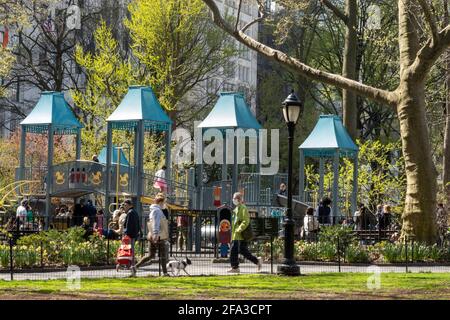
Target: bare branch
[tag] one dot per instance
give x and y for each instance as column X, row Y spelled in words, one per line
column 431, row 19
column 429, row 53
column 379, row 95
column 338, row 12
column 238, row 15
column 262, row 15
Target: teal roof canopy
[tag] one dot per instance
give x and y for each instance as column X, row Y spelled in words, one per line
column 140, row 103
column 327, row 137
column 123, row 158
column 230, row 112
column 52, row 109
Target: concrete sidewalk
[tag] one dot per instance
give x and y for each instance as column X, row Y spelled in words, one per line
column 205, row 267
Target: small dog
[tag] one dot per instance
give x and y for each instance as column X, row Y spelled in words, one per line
column 176, row 266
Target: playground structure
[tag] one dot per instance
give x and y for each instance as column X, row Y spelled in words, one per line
column 116, row 176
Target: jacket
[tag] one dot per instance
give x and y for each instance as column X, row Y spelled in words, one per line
column 241, row 220
column 132, row 226
column 157, row 224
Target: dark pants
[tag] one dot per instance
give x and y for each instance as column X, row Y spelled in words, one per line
column 240, row 246
column 160, row 246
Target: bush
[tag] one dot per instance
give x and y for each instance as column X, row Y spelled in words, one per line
column 59, row 249
column 331, row 234
column 356, row 254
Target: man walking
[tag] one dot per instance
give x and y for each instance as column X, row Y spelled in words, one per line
column 240, row 222
column 132, row 229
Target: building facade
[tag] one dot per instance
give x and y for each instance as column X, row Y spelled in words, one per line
column 25, row 87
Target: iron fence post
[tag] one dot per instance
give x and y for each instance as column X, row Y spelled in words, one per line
column 11, row 262
column 107, row 246
column 159, row 258
column 271, row 254
column 42, row 255
column 406, row 253
column 339, row 254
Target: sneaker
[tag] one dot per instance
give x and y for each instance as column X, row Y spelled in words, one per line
column 234, row 270
column 259, row 264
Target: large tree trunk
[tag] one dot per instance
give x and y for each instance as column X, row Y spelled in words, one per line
column 349, row 105
column 418, row 216
column 446, row 164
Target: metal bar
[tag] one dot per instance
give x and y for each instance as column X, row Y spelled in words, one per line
column 140, row 168
column 335, row 186
column 11, row 261
column 23, row 137
column 108, row 170
column 301, row 177
column 49, row 176
column 168, row 162
column 78, row 145
column 355, row 184
column 321, row 176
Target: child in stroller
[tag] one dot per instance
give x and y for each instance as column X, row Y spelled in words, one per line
column 124, row 254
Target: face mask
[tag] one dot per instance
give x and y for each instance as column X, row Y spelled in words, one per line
column 235, row 202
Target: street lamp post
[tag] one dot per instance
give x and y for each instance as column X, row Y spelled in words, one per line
column 291, row 110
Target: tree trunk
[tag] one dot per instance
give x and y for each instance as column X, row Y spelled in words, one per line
column 446, row 164
column 349, row 105
column 418, row 216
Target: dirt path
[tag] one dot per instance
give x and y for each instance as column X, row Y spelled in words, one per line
column 297, row 295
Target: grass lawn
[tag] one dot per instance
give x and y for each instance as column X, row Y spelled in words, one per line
column 317, row 286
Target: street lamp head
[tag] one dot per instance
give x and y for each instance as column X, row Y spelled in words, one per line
column 291, row 108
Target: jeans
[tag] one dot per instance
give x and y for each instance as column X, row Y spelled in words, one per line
column 133, row 260
column 160, row 246
column 240, row 246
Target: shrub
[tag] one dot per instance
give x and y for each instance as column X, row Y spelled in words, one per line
column 356, row 254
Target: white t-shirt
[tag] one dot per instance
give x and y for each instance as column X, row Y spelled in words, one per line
column 21, row 213
column 310, row 223
column 160, row 174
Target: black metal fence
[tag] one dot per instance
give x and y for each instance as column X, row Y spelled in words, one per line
column 196, row 235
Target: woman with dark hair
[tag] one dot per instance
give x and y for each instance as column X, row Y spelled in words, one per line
column 310, row 225
column 324, row 211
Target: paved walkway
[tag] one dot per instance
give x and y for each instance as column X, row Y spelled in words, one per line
column 204, row 266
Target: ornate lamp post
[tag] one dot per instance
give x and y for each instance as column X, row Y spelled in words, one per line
column 291, row 111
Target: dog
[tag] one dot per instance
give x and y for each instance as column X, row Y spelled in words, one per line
column 175, row 266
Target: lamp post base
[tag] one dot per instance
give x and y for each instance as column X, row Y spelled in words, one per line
column 288, row 270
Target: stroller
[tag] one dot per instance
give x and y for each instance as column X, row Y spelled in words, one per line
column 124, row 254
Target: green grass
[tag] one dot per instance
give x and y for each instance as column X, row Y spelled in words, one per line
column 318, row 286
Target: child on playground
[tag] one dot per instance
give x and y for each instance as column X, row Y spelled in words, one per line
column 160, row 179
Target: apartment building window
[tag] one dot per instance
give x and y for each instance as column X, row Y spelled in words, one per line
column 228, row 87
column 231, row 3
column 243, row 73
column 244, row 52
column 212, row 85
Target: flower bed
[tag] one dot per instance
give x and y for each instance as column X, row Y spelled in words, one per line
column 59, row 249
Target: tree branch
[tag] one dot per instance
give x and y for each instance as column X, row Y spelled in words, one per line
column 431, row 19
column 428, row 54
column 379, row 95
column 338, row 12
column 262, row 15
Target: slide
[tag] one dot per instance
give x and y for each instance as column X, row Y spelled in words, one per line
column 298, row 208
